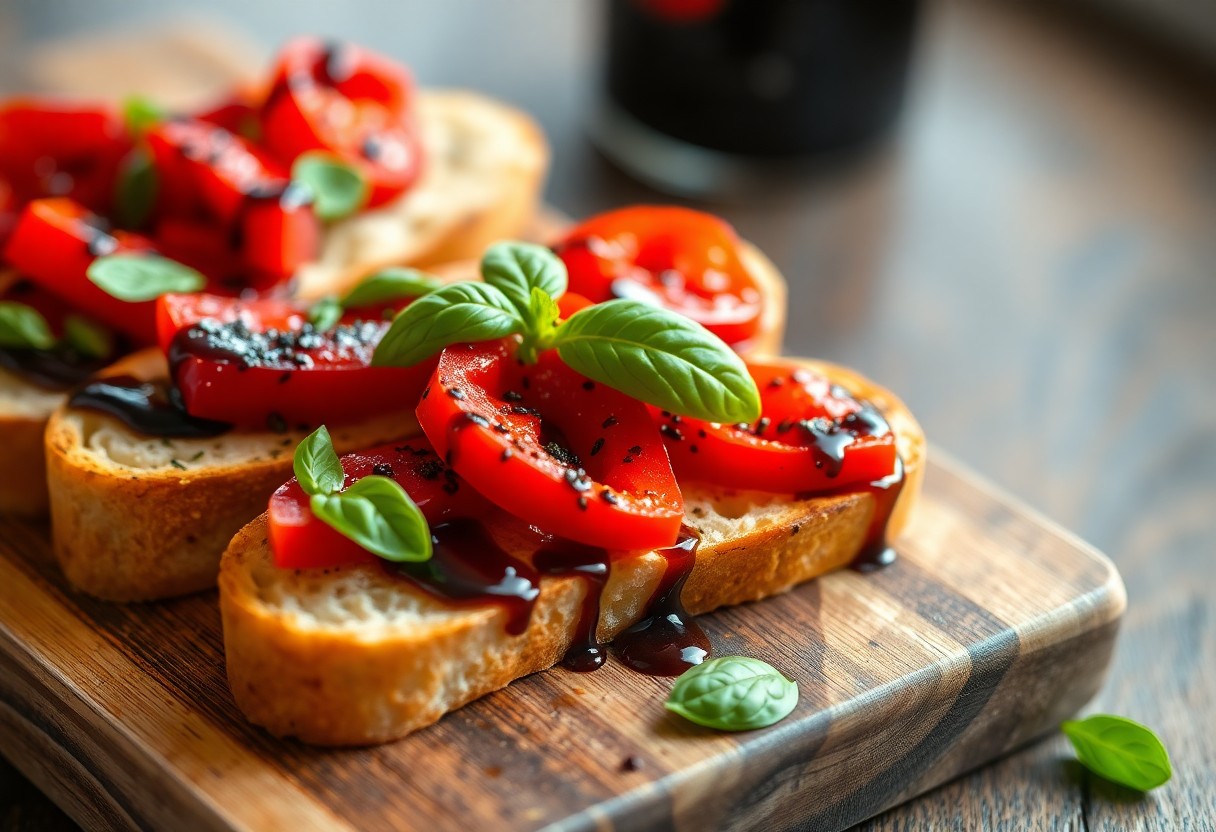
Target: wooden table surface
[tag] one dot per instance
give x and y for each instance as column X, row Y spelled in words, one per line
column 1031, row 262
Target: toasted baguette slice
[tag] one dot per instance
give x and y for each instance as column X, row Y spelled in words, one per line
column 351, row 656
column 485, row 164
column 135, row 518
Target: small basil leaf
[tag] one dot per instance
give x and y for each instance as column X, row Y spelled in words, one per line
column 23, row 327
column 542, row 312
column 388, row 285
column 338, row 189
column 135, row 189
column 142, row 276
column 518, row 268
column 660, row 357
column 376, row 513
column 325, row 314
column 142, row 114
column 316, row 464
column 1119, row 750
column 733, row 693
column 455, row 314
column 88, row 338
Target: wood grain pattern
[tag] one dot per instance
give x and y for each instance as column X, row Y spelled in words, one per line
column 991, row 628
column 1029, row 263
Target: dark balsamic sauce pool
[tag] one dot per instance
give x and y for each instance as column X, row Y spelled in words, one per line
column 54, row 369
column 666, row 641
column 150, row 408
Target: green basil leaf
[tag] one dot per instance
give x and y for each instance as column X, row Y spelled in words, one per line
column 316, row 464
column 135, row 189
column 338, row 188
column 733, row 693
column 142, row 276
column 1119, row 750
column 660, row 357
column 518, row 268
column 542, row 313
column 455, row 314
column 24, row 327
column 376, row 513
column 325, row 314
column 142, row 114
column 388, row 285
column 88, row 338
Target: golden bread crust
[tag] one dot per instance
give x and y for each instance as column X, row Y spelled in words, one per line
column 125, row 533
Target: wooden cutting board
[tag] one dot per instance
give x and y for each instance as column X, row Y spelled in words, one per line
column 991, row 628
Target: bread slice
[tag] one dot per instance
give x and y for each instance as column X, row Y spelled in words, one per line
column 135, row 518
column 351, row 656
column 485, row 164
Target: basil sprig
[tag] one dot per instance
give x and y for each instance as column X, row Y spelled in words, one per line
column 647, row 352
column 325, row 314
column 383, row 287
column 457, row 313
column 733, row 693
column 375, row 511
column 142, row 114
column 87, row 338
column 23, row 327
column 135, row 189
column 391, row 284
column 140, row 276
column 664, row 359
column 1120, row 750
column 338, row 188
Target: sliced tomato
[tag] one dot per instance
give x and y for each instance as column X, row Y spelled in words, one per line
column 54, row 243
column 349, row 101
column 812, row 436
column 175, row 312
column 218, row 182
column 574, row 458
column 207, row 248
column 9, row 207
column 258, row 363
column 570, row 302
column 62, row 148
column 677, row 258
column 238, row 114
column 300, row 541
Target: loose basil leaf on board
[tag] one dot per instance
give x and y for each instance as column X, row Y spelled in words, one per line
column 388, row 285
column 23, row 327
column 325, row 314
column 661, row 358
column 135, row 189
column 87, row 338
column 338, row 188
column 379, row 515
column 141, row 276
column 518, row 268
column 1120, row 750
column 142, row 114
column 733, row 693
column 455, row 314
column 316, row 464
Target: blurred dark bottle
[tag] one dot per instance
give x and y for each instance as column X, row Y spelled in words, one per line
column 701, row 94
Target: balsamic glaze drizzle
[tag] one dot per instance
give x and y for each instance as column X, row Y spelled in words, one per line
column 666, row 641
column 57, row 369
column 150, row 408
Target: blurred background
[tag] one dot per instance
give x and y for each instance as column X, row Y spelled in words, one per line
column 1025, row 251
